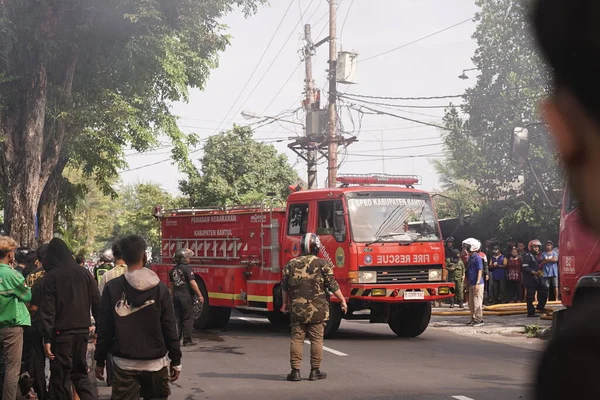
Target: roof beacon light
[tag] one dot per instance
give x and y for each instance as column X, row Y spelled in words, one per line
column 379, row 179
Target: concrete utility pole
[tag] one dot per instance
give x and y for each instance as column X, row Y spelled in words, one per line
column 310, row 100
column 332, row 164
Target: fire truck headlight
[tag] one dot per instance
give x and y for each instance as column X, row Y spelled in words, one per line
column 367, row 277
column 435, row 275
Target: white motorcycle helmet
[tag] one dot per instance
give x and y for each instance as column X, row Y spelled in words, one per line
column 107, row 256
column 472, row 244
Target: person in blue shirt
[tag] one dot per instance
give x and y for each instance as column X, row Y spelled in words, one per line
column 498, row 271
column 549, row 262
column 475, row 281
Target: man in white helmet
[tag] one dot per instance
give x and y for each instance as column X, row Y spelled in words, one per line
column 475, row 280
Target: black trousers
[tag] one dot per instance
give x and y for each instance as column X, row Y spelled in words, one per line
column 131, row 385
column 37, row 366
column 542, row 294
column 70, row 366
column 184, row 312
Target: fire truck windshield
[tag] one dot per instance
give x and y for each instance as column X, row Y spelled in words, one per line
column 392, row 217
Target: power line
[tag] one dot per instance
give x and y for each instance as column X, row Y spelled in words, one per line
column 397, row 148
column 282, row 87
column 418, row 40
column 345, row 19
column 451, row 96
column 257, row 64
column 272, row 62
column 431, row 155
column 400, row 117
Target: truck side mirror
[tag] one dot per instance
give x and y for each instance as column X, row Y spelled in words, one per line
column 519, row 148
column 339, row 226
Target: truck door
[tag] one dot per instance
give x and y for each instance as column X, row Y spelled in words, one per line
column 298, row 223
column 331, row 228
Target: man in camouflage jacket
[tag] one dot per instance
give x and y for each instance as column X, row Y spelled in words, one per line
column 304, row 281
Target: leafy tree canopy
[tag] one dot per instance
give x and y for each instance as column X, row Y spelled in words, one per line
column 236, row 169
column 85, row 79
column 511, row 82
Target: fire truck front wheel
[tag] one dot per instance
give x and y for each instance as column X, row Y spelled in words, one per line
column 203, row 315
column 410, row 320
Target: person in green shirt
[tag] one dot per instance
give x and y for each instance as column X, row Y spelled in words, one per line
column 14, row 295
column 456, row 274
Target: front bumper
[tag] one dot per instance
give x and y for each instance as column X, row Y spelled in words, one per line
column 384, row 293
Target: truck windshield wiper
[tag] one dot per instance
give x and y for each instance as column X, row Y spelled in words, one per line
column 385, row 236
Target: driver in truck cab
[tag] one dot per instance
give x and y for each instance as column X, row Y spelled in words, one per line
column 303, row 283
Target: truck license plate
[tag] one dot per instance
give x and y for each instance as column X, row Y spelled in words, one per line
column 414, row 295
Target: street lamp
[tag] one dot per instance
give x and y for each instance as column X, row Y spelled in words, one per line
column 464, row 76
column 252, row 115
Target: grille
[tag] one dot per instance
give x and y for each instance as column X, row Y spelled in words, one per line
column 403, row 274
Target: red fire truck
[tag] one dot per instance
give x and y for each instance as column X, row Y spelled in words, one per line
column 381, row 235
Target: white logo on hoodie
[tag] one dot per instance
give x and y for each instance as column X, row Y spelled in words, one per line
column 142, row 280
column 123, row 308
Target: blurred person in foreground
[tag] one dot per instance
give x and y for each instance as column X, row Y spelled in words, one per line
column 69, row 293
column 14, row 316
column 569, row 37
column 137, row 325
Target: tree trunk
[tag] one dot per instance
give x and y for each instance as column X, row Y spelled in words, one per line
column 23, row 160
column 31, row 150
column 48, row 203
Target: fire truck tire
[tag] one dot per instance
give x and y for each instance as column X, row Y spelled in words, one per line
column 335, row 319
column 219, row 317
column 203, row 317
column 410, row 320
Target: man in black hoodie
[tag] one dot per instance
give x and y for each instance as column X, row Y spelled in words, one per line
column 69, row 292
column 137, row 326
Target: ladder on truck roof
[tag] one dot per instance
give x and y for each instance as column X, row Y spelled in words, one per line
column 259, row 207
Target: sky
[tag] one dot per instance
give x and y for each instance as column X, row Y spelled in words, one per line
column 429, row 67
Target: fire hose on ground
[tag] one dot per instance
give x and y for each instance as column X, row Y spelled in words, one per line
column 503, row 310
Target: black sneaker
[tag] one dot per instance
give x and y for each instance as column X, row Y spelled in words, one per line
column 532, row 316
column 294, row 376
column 189, row 344
column 316, row 375
column 478, row 323
column 470, row 323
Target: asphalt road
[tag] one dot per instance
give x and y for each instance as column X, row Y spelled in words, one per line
column 249, row 360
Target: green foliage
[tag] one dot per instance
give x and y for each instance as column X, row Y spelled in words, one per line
column 100, row 76
column 511, row 83
column 137, row 204
column 236, row 169
column 90, row 220
column 86, row 220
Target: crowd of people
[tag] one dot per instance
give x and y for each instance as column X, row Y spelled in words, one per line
column 489, row 274
column 51, row 311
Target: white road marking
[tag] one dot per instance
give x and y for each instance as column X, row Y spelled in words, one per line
column 332, row 351
column 461, row 398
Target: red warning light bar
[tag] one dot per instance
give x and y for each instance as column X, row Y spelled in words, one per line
column 379, row 179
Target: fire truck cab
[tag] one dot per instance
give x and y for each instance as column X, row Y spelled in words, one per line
column 380, row 234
